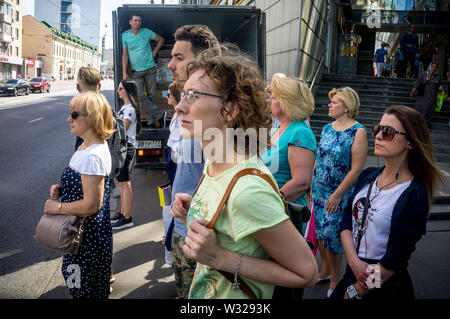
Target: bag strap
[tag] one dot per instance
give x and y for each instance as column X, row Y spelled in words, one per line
column 248, row 171
column 364, row 216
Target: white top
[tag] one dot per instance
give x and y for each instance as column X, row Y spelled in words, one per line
column 94, row 160
column 378, row 223
column 175, row 133
column 128, row 112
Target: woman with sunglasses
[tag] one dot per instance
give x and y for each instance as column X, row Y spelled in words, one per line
column 129, row 112
column 252, row 238
column 84, row 192
column 388, row 210
column 341, row 156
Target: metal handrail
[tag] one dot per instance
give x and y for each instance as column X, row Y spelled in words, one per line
column 317, row 72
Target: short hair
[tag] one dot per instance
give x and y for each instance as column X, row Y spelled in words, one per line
column 200, row 36
column 349, row 97
column 90, row 77
column 296, row 99
column 175, row 91
column 97, row 111
column 134, row 15
column 237, row 78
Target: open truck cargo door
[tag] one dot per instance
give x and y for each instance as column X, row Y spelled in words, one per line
column 243, row 26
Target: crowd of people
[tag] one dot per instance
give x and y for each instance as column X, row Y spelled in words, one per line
column 231, row 236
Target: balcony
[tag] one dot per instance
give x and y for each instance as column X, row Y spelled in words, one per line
column 5, row 37
column 5, row 18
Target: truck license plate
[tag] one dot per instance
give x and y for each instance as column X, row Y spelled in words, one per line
column 149, row 144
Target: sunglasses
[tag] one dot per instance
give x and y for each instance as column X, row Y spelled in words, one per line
column 388, row 132
column 74, row 115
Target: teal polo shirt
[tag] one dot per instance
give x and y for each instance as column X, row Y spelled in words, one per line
column 276, row 158
column 139, row 49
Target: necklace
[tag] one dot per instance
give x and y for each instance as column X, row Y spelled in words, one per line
column 384, row 186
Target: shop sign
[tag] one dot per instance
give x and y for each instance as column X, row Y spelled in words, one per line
column 11, row 60
column 30, row 62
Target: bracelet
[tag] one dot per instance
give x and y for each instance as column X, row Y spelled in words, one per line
column 59, row 207
column 236, row 272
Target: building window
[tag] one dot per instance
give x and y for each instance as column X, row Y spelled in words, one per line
column 17, row 51
column 17, row 15
column 17, row 34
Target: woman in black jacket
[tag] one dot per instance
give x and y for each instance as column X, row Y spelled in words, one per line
column 388, row 211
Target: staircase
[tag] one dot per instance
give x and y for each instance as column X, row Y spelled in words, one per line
column 377, row 94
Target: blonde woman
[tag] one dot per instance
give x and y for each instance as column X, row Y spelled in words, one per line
column 341, row 156
column 291, row 157
column 84, row 192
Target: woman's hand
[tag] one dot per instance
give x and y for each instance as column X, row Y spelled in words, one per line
column 51, row 207
column 359, row 269
column 201, row 243
column 333, row 203
column 54, row 191
column 180, row 206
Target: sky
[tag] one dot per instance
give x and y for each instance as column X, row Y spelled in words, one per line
column 106, row 14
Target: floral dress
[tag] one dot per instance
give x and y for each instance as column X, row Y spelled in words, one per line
column 87, row 273
column 334, row 158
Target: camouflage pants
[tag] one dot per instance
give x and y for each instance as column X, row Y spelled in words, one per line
column 182, row 266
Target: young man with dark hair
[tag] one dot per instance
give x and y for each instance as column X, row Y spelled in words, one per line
column 138, row 52
column 191, row 41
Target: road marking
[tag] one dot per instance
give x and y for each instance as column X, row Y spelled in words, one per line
column 35, row 120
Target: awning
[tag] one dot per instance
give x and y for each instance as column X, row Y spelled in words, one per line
column 11, row 60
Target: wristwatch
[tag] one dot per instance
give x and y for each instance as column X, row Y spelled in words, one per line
column 352, row 292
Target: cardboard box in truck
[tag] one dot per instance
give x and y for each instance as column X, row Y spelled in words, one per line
column 244, row 26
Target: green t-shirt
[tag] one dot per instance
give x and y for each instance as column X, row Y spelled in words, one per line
column 253, row 205
column 139, row 49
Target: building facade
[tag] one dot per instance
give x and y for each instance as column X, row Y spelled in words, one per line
column 61, row 53
column 11, row 62
column 78, row 17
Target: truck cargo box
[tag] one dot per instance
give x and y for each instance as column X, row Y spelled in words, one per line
column 244, row 26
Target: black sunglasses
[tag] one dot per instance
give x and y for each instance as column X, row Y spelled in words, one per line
column 74, row 115
column 388, row 132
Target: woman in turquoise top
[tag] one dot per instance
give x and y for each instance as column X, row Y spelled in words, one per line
column 341, row 156
column 291, row 157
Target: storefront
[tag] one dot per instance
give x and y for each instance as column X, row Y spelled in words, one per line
column 10, row 67
column 30, row 69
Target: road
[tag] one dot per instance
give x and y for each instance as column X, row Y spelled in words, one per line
column 35, row 147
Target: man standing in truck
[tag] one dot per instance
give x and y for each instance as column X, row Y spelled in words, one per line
column 138, row 52
column 191, row 41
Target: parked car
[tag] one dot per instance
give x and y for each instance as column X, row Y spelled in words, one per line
column 14, row 87
column 40, row 84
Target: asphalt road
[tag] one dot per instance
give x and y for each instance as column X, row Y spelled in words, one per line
column 35, row 146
